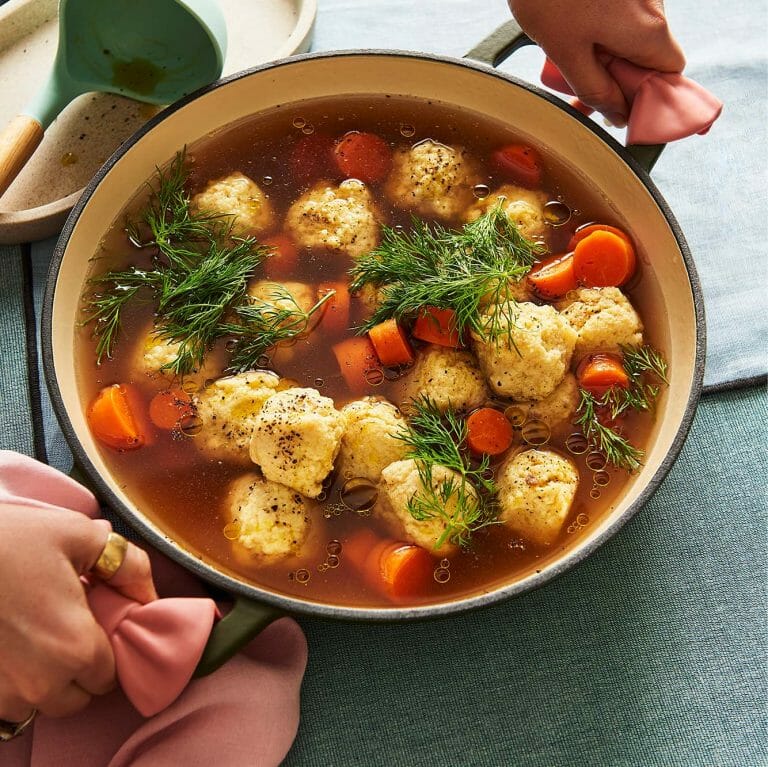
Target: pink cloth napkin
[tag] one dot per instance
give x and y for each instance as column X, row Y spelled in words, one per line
column 157, row 646
column 664, row 107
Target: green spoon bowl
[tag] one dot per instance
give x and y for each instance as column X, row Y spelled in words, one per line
column 155, row 51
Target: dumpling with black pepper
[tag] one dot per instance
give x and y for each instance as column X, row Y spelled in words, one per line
column 448, row 377
column 603, row 319
column 340, row 218
column 227, row 409
column 432, row 179
column 370, row 442
column 240, row 197
column 529, row 351
column 296, row 438
column 268, row 520
column 536, row 489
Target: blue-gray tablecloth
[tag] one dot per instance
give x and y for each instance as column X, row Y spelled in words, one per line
column 653, row 652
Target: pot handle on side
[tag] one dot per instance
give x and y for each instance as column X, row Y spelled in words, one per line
column 507, row 39
column 239, row 626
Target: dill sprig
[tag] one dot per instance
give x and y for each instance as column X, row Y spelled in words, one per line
column 265, row 323
column 435, row 439
column 639, row 395
column 168, row 216
column 199, row 273
column 617, row 450
column 462, row 270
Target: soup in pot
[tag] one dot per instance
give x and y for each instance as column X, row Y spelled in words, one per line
column 370, row 351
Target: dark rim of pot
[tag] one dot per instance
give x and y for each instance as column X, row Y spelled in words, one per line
column 318, row 609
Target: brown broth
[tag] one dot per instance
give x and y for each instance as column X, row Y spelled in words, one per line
column 182, row 491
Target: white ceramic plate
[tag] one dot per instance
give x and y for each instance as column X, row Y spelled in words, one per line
column 94, row 125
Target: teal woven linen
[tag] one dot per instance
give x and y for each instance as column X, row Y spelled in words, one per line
column 653, row 652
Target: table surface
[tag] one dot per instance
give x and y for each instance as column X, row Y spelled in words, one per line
column 653, row 652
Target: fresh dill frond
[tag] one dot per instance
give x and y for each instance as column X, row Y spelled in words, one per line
column 168, row 216
column 638, row 395
column 617, row 450
column 465, row 503
column 112, row 293
column 199, row 273
column 265, row 323
column 461, row 270
column 643, row 359
column 195, row 299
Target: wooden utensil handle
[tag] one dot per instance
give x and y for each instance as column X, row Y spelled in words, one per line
column 17, row 144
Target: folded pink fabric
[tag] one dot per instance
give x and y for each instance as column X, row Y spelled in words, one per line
column 664, row 106
column 157, row 646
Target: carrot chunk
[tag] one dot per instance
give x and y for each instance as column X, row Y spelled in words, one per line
column 168, row 408
column 603, row 259
column 553, row 277
column 437, row 326
column 489, row 431
column 335, row 317
column 599, row 372
column 364, row 156
column 391, row 343
column 356, row 358
column 518, row 163
column 285, row 256
column 394, row 569
column 113, row 418
column 587, row 229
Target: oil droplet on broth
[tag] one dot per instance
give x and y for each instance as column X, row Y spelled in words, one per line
column 442, row 575
column 191, row 425
column 308, row 130
column 582, row 519
column 407, row 130
column 596, row 461
column 601, row 478
column 516, row 415
column 266, row 180
column 557, row 213
column 576, row 443
column 374, row 376
column 302, row 576
column 536, row 432
column 481, row 191
column 358, row 494
column 232, row 530
column 332, row 561
column 333, row 547
column 68, row 158
column 299, row 122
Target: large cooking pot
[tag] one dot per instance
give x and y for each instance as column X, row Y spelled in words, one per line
column 673, row 291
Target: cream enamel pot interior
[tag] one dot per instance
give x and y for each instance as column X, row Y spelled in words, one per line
column 673, row 294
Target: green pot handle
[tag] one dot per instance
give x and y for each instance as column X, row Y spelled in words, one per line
column 238, row 627
column 507, row 39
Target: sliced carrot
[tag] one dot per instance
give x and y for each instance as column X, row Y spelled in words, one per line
column 587, row 229
column 394, row 569
column 437, row 326
column 599, row 372
column 113, row 417
column 553, row 277
column 391, row 343
column 364, row 156
column 488, row 432
column 518, row 163
column 285, row 255
column 603, row 259
column 336, row 309
column 356, row 358
column 168, row 408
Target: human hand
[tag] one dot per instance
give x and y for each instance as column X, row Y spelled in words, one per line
column 574, row 34
column 55, row 656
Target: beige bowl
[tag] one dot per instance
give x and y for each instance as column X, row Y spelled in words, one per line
column 673, row 291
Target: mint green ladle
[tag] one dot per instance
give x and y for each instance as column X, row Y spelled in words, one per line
column 155, row 51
